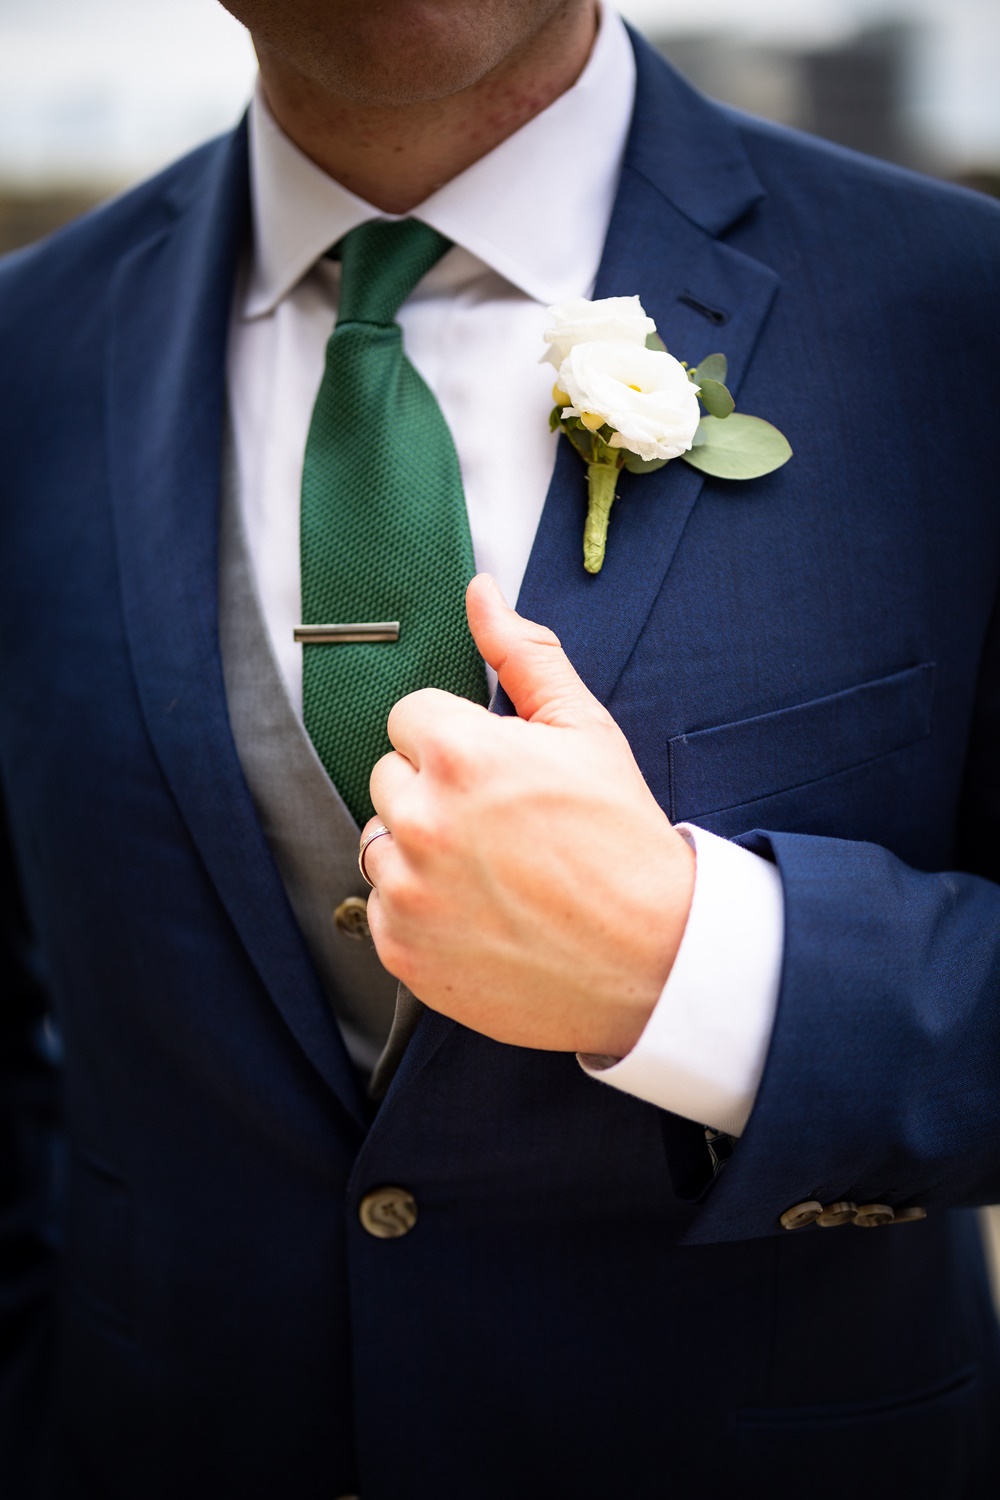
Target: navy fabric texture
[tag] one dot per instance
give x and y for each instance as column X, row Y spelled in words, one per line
column 807, row 664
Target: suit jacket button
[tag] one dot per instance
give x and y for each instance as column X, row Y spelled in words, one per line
column 801, row 1215
column 873, row 1215
column 351, row 917
column 837, row 1213
column 909, row 1215
column 388, row 1212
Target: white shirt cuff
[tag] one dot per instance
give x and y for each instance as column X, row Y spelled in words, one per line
column 702, row 1052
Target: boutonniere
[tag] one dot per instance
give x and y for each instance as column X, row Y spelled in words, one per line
column 625, row 403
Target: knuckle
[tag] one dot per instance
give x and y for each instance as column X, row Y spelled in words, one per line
column 541, row 635
column 451, row 759
column 417, row 708
column 383, row 761
column 534, row 637
column 410, row 902
column 414, row 829
column 452, row 752
column 390, row 883
column 415, row 700
column 404, row 900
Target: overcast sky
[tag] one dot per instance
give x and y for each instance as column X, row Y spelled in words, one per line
column 111, row 89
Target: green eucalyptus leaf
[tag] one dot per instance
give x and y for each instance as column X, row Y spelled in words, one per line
column 653, row 341
column 637, row 465
column 712, row 367
column 555, row 417
column 715, row 398
column 738, row 447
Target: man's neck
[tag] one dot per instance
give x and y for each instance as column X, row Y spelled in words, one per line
column 394, row 157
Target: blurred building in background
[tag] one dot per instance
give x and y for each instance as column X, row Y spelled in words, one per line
column 858, row 90
column 95, row 96
column 851, row 91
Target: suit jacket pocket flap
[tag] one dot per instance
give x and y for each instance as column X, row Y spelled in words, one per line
column 712, row 770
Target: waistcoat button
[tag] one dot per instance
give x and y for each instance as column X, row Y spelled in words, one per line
column 388, row 1212
column 351, row 917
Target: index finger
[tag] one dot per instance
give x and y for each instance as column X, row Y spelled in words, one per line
column 417, row 722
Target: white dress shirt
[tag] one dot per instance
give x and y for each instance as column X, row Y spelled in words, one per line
column 528, row 223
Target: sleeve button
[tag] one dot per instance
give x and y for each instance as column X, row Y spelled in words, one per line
column 837, row 1213
column 873, row 1215
column 801, row 1215
column 909, row 1215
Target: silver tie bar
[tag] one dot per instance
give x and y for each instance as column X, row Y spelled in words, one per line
column 347, row 635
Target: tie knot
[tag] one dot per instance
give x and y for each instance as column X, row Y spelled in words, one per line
column 381, row 263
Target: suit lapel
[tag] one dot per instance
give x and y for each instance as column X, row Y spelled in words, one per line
column 685, row 179
column 166, row 404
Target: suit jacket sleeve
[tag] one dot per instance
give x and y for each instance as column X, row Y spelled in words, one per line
column 882, row 1081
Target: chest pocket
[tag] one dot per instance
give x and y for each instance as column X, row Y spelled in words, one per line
column 715, row 771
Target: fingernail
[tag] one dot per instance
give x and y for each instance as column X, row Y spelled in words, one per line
column 496, row 589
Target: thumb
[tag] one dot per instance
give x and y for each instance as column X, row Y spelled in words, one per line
column 532, row 666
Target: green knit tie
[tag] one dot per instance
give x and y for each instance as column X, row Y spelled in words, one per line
column 384, row 528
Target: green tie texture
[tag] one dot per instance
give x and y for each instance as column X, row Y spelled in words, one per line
column 384, row 528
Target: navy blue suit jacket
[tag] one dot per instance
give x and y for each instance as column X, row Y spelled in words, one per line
column 808, row 663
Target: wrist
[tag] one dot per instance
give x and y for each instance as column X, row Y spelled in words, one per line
column 658, row 914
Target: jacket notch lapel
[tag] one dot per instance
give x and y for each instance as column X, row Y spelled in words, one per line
column 685, row 178
column 166, row 413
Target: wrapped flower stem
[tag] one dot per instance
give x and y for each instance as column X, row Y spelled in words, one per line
column 602, row 480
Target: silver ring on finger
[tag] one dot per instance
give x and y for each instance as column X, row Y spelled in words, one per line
column 369, row 838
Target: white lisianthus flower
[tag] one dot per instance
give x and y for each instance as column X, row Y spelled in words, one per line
column 579, row 321
column 643, row 394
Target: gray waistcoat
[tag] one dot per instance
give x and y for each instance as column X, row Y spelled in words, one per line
column 312, row 836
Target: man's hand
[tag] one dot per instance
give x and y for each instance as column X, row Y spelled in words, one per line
column 532, row 888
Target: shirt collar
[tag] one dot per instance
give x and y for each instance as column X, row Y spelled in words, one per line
column 535, row 209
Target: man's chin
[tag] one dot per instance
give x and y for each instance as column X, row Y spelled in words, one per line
column 400, row 53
